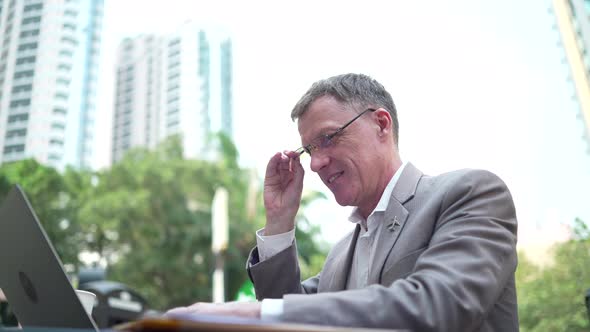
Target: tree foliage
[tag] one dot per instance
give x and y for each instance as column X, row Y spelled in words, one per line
column 552, row 298
column 148, row 218
column 48, row 193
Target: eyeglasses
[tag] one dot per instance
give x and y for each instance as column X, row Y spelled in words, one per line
column 326, row 140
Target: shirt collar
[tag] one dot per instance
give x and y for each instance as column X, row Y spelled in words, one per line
column 355, row 216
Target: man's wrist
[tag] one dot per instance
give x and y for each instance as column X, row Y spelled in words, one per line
column 270, row 230
column 275, row 226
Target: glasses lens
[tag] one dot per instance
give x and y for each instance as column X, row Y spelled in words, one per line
column 326, row 141
column 304, row 149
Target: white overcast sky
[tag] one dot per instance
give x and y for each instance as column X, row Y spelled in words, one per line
column 480, row 84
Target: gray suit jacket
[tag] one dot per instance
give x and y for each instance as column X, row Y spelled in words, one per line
column 445, row 261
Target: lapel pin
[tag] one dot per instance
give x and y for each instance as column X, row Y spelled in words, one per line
column 393, row 226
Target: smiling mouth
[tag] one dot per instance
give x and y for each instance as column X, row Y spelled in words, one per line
column 334, row 177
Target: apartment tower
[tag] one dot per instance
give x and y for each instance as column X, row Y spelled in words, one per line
column 48, row 80
column 177, row 84
column 573, row 23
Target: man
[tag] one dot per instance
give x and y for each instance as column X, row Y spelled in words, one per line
column 427, row 254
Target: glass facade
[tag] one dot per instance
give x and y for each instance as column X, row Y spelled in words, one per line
column 59, row 41
column 182, row 84
column 573, row 22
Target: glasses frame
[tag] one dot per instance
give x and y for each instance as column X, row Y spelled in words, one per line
column 327, row 138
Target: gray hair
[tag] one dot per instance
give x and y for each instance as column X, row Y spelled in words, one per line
column 358, row 91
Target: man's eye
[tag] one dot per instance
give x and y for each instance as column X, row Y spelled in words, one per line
column 328, row 140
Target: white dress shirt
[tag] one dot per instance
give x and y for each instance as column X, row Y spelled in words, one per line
column 268, row 246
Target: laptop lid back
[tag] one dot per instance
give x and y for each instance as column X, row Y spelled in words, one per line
column 31, row 274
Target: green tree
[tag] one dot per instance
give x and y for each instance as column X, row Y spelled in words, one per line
column 149, row 217
column 552, row 298
column 47, row 194
column 147, row 231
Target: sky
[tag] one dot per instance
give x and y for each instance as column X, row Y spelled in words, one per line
column 477, row 84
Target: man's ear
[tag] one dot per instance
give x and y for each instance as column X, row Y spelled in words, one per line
column 383, row 121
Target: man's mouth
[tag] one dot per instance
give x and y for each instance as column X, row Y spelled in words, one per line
column 334, row 177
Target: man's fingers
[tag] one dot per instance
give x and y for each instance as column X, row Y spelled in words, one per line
column 177, row 311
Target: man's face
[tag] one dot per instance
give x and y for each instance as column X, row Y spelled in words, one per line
column 350, row 165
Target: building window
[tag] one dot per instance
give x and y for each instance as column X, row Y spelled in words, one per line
column 69, row 26
column 70, row 12
column 8, row 29
column 30, row 20
column 174, row 42
column 61, row 95
column 29, row 33
column 25, row 73
column 20, row 88
column 128, row 46
column 56, row 141
column 35, row 6
column 173, row 98
column 64, row 67
column 14, row 148
column 58, row 126
column 27, row 59
column 63, row 81
column 18, row 118
column 60, row 110
column 172, row 87
column 173, row 64
column 173, row 53
column 54, row 157
column 70, row 40
column 27, row 46
column 16, row 133
column 67, row 53
column 21, row 102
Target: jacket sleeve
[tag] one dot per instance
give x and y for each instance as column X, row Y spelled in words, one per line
column 456, row 281
column 279, row 275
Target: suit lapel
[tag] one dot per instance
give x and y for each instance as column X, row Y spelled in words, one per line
column 342, row 267
column 394, row 219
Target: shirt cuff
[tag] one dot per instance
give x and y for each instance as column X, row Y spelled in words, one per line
column 271, row 309
column 271, row 245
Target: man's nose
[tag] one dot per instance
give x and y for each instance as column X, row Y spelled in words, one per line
column 319, row 160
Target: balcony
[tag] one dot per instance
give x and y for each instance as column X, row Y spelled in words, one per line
column 19, row 109
column 27, row 52
column 15, row 140
column 28, row 39
column 23, row 80
column 17, row 125
column 21, row 95
column 25, row 66
column 13, row 156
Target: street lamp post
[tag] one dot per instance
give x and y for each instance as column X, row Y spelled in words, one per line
column 219, row 238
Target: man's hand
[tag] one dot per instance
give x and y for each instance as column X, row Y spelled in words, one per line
column 283, row 184
column 241, row 309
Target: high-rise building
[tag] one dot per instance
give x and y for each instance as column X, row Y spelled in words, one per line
column 180, row 83
column 573, row 23
column 48, row 80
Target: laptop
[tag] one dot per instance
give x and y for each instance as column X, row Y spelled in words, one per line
column 31, row 274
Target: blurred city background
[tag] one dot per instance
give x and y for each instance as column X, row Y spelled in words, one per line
column 122, row 119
